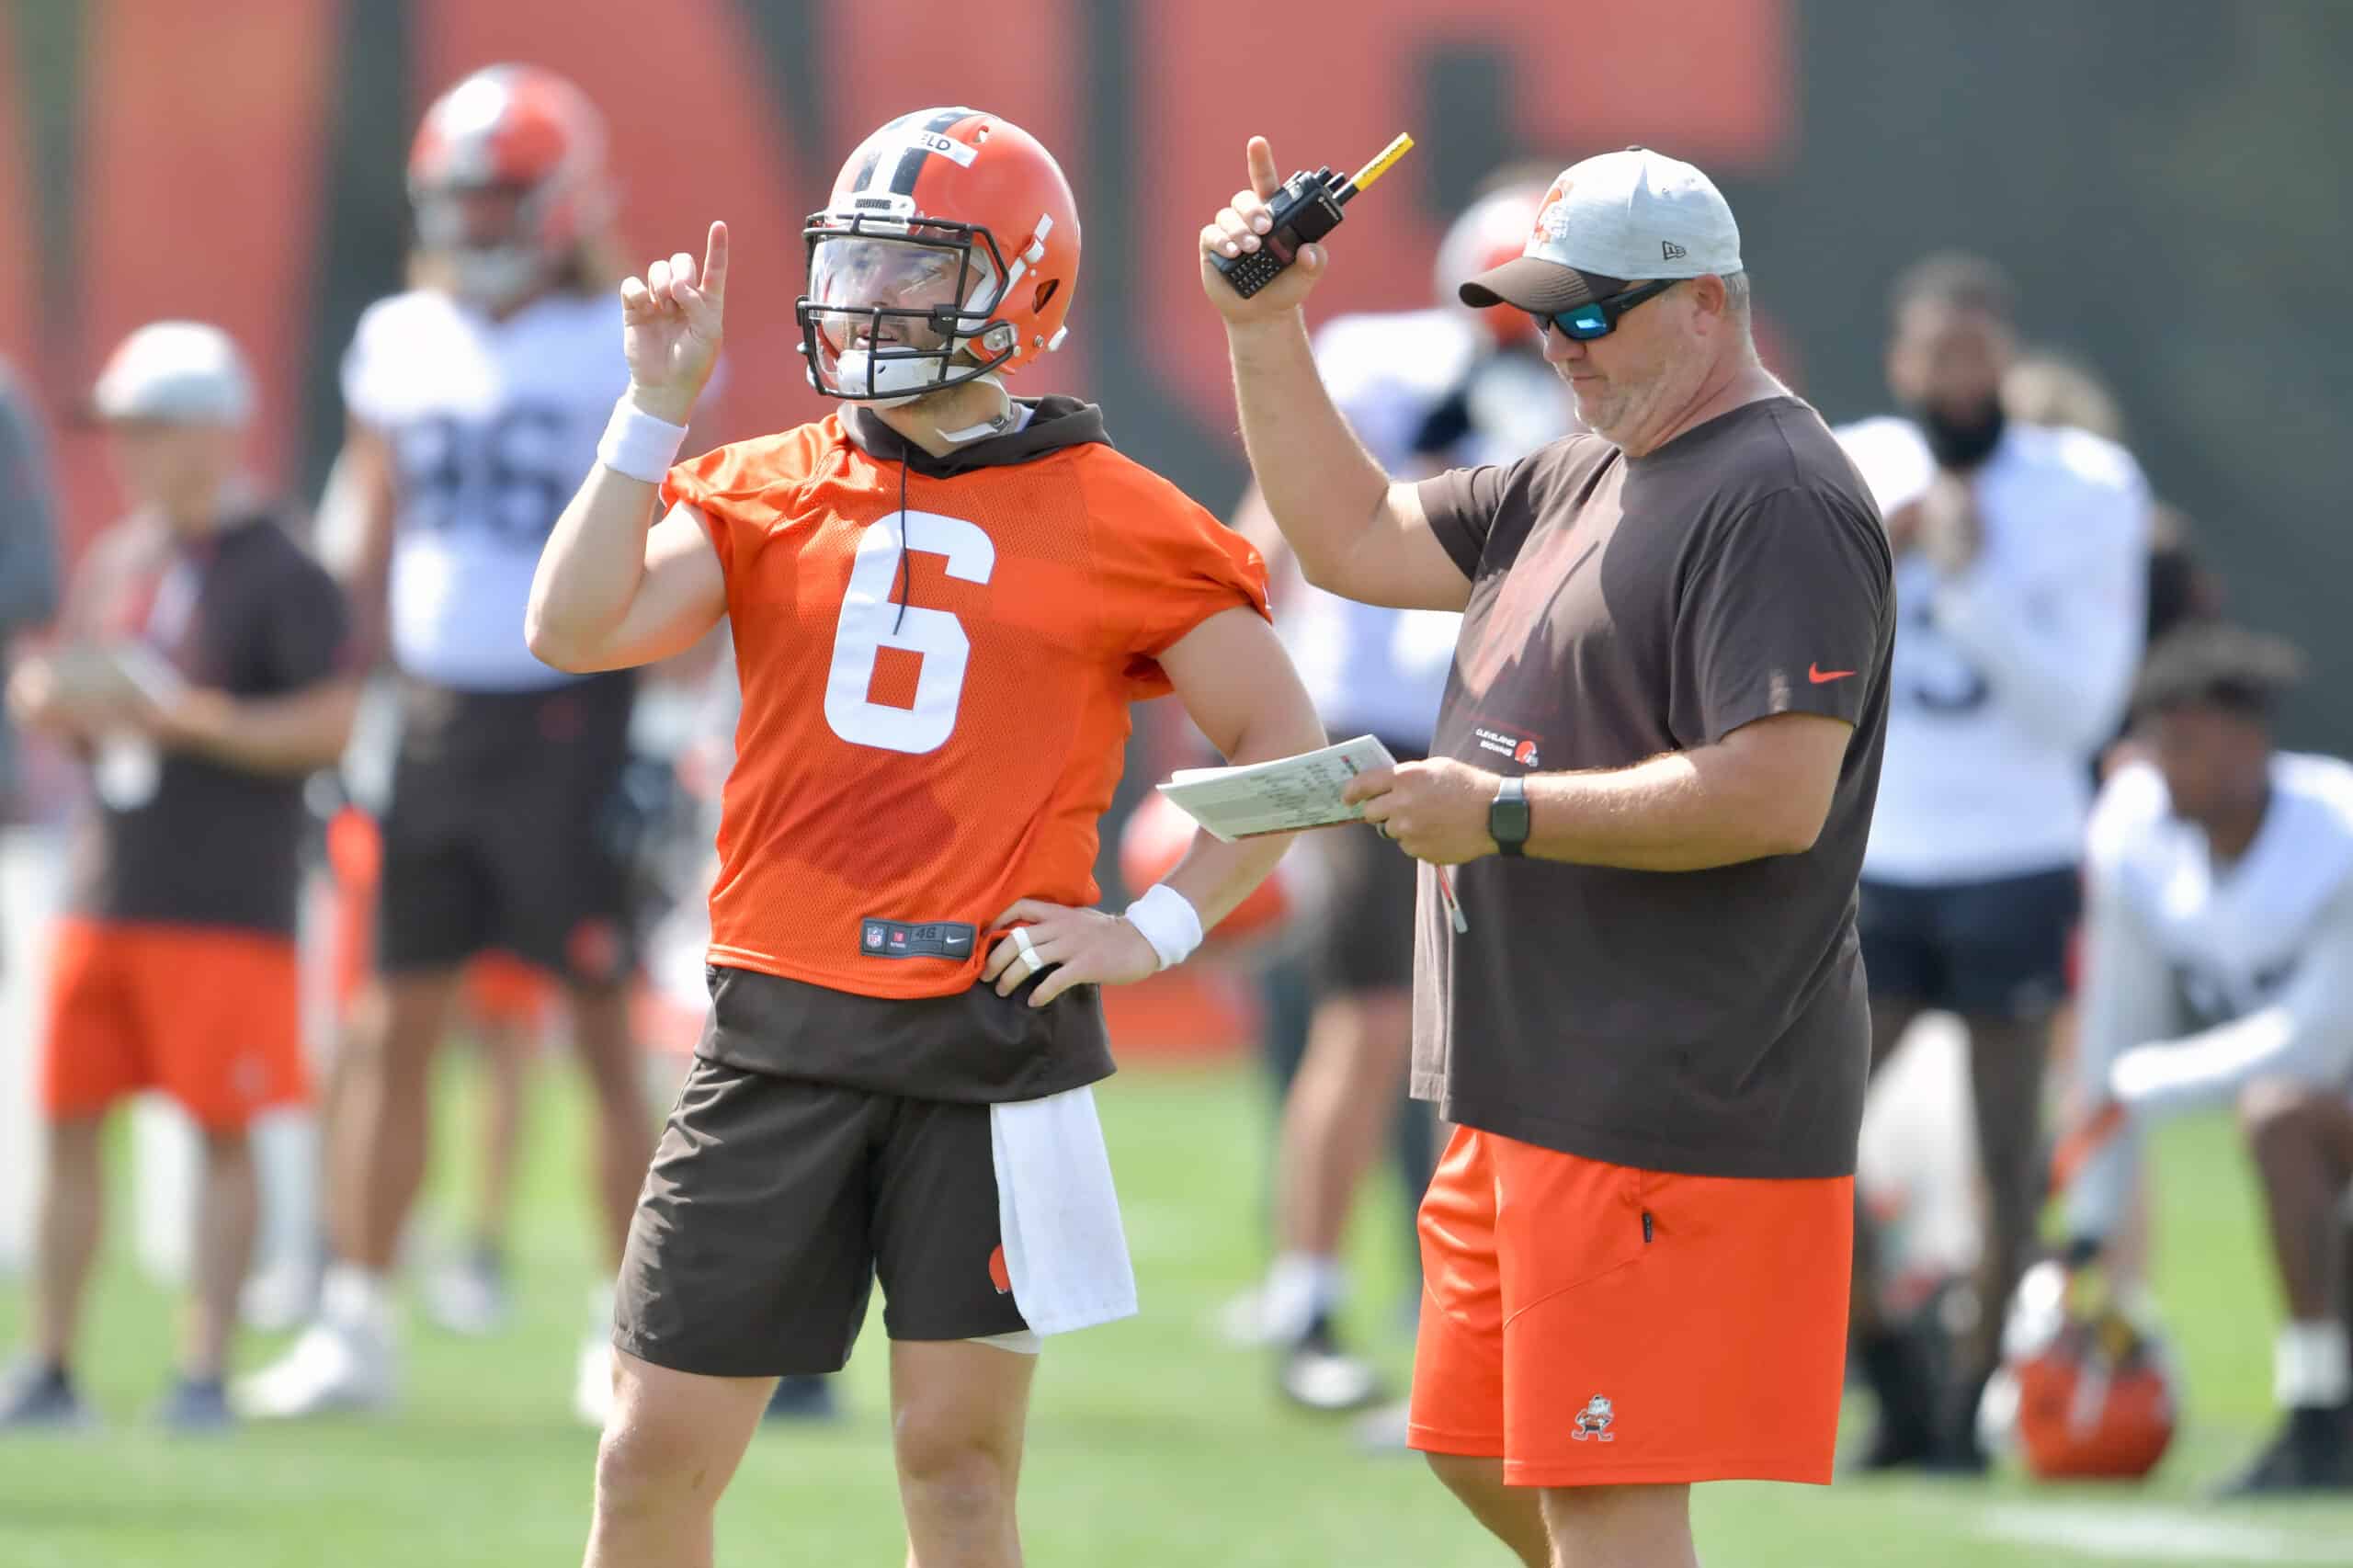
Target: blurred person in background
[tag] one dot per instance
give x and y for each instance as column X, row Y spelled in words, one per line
column 2021, row 560
column 475, row 400
column 502, row 1011
column 1425, row 390
column 204, row 672
column 29, row 575
column 2046, row 388
column 895, row 1080
column 2219, row 971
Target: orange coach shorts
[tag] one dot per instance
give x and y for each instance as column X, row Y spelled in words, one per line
column 210, row 1016
column 1594, row 1325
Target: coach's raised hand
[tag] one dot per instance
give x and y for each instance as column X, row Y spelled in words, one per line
column 1237, row 230
column 670, row 328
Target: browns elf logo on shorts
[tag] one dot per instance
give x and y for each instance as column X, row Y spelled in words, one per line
column 1000, row 1275
column 1593, row 1421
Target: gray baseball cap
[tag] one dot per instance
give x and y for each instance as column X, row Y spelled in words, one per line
column 1618, row 217
column 178, row 371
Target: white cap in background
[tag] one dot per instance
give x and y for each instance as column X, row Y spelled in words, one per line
column 179, row 371
column 1619, row 218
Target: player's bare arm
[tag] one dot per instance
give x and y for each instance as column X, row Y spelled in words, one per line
column 1764, row 789
column 296, row 734
column 1356, row 532
column 1241, row 692
column 357, row 512
column 616, row 588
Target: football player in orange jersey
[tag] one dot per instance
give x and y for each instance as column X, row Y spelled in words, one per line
column 943, row 600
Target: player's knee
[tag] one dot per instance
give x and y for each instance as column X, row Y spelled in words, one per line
column 954, row 1465
column 646, row 1463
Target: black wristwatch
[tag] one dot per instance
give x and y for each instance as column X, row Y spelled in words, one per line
column 1508, row 817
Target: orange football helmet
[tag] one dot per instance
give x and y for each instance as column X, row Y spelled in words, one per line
column 2081, row 1394
column 949, row 251
column 508, row 175
column 1491, row 231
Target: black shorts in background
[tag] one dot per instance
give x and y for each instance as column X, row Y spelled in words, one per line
column 772, row 1205
column 1995, row 949
column 1366, row 941
column 497, row 835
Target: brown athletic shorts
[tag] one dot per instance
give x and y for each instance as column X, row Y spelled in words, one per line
column 775, row 1203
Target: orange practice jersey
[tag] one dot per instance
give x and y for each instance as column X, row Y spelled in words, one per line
column 927, row 736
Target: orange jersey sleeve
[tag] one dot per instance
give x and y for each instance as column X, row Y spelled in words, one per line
column 934, row 701
column 1165, row 564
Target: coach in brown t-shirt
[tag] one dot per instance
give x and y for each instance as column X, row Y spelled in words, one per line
column 1654, row 767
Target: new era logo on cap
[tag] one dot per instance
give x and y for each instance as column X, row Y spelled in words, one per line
column 1669, row 251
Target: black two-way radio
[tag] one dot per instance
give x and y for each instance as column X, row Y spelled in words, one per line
column 1303, row 210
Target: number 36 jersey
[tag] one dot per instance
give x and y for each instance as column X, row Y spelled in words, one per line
column 934, row 698
column 492, row 424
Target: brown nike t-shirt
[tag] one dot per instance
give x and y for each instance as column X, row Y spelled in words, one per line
column 1707, row 1022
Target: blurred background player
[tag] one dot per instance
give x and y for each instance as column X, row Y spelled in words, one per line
column 204, row 672
column 2219, row 970
column 475, row 400
column 1425, row 390
column 28, row 577
column 502, row 1013
column 2021, row 554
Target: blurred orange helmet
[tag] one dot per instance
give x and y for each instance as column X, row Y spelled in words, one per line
column 1491, row 230
column 1157, row 836
column 2080, row 1395
column 949, row 251
column 524, row 133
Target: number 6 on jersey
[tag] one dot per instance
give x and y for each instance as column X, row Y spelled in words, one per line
column 871, row 621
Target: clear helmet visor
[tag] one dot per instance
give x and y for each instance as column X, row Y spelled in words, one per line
column 884, row 309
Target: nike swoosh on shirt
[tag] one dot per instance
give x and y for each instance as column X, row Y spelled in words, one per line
column 1819, row 675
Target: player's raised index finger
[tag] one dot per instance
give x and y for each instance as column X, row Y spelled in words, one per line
column 1263, row 177
column 714, row 261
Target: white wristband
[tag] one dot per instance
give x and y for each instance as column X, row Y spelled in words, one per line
column 639, row 446
column 1168, row 921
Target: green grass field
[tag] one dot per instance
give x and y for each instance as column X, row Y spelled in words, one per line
column 1150, row 1445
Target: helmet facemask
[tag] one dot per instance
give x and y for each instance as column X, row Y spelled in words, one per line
column 899, row 306
column 491, row 264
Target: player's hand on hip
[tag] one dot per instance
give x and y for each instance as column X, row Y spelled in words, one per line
column 670, row 328
column 1434, row 810
column 1240, row 229
column 1080, row 947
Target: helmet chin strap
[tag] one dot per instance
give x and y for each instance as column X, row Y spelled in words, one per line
column 992, row 426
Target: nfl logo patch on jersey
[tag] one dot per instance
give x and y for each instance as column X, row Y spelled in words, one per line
column 873, row 936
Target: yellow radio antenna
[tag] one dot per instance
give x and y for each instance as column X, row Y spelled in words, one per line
column 1380, row 165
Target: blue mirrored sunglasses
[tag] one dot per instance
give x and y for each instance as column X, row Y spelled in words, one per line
column 1598, row 318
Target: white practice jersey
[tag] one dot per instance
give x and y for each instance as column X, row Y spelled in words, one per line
column 1368, row 668
column 2011, row 676
column 492, row 425
column 2199, row 977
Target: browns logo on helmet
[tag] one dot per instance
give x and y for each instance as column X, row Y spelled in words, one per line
column 949, row 251
column 1490, row 232
column 2081, row 1394
column 507, row 176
